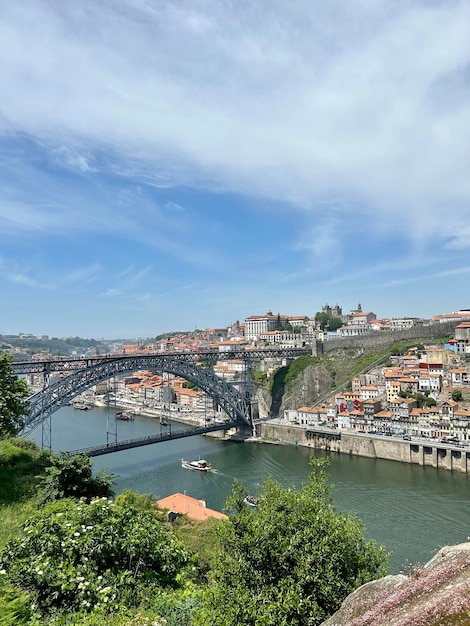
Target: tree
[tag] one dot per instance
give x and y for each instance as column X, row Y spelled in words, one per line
column 13, row 399
column 456, row 395
column 71, row 476
column 335, row 323
column 322, row 319
column 290, row 562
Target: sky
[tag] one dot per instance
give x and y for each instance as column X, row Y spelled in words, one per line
column 168, row 165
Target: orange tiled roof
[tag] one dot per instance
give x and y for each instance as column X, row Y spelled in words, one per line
column 193, row 508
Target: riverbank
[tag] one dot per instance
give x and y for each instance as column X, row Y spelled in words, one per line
column 190, row 418
column 424, row 452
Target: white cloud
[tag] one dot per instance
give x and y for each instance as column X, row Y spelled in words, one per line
column 301, row 101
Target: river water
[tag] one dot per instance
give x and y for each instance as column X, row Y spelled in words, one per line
column 411, row 510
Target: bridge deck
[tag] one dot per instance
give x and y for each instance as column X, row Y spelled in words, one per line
column 137, row 442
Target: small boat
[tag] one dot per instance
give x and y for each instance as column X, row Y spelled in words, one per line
column 126, row 417
column 81, row 405
column 250, row 500
column 201, row 465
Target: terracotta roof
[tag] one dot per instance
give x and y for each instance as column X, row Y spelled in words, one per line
column 185, row 505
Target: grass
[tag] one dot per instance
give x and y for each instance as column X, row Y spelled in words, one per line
column 21, row 464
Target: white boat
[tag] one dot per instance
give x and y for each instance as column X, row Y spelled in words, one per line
column 250, row 500
column 81, row 405
column 201, row 465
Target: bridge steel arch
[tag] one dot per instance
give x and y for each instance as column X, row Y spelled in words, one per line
column 236, row 404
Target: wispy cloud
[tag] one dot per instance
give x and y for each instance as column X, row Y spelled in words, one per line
column 302, row 104
column 193, row 141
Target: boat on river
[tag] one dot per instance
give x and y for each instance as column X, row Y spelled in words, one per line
column 82, row 405
column 126, row 417
column 250, row 500
column 201, row 465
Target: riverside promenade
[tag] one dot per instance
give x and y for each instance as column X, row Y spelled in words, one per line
column 418, row 451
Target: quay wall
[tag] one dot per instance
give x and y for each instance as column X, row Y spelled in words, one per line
column 431, row 454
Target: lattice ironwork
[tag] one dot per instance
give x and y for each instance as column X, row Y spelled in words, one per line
column 236, row 404
column 64, row 364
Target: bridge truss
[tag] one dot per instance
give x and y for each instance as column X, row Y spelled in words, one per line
column 235, row 403
column 79, row 374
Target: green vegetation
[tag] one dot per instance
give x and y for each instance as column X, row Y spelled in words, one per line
column 290, row 563
column 284, row 375
column 328, row 322
column 189, row 385
column 259, row 377
column 71, row 476
column 13, row 398
column 84, row 556
column 85, row 560
column 54, row 346
column 457, row 395
column 276, row 382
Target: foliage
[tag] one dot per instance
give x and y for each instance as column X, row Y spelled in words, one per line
column 201, row 538
column 140, row 501
column 422, row 399
column 456, row 395
column 322, row 319
column 335, row 323
column 259, row 377
column 13, row 399
column 15, row 606
column 20, row 462
column 292, row 561
column 71, row 476
column 298, row 365
column 189, row 385
column 68, row 346
column 97, row 556
column 286, row 374
column 277, row 379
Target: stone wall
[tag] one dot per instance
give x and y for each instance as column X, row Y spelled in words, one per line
column 430, row 454
column 376, row 340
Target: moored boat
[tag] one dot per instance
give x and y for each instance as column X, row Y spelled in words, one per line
column 201, row 465
column 250, row 500
column 127, row 417
column 81, row 405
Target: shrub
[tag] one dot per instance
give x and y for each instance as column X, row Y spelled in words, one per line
column 96, row 556
column 71, row 476
column 290, row 562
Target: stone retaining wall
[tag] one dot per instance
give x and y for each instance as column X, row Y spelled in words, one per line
column 426, row 454
column 386, row 338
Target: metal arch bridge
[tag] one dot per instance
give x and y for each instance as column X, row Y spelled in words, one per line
column 85, row 373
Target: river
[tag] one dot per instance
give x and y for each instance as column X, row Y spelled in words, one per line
column 412, row 510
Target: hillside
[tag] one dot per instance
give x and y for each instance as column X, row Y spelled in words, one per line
column 309, row 379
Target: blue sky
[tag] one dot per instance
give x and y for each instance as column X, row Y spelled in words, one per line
column 166, row 165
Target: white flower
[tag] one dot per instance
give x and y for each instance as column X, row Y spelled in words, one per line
column 76, row 534
column 3, row 571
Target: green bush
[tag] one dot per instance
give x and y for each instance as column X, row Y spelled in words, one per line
column 93, row 557
column 71, row 476
column 291, row 562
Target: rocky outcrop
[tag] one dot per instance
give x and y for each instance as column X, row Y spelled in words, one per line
column 437, row 594
column 312, row 383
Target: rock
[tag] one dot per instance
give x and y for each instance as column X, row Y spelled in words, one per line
column 433, row 595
